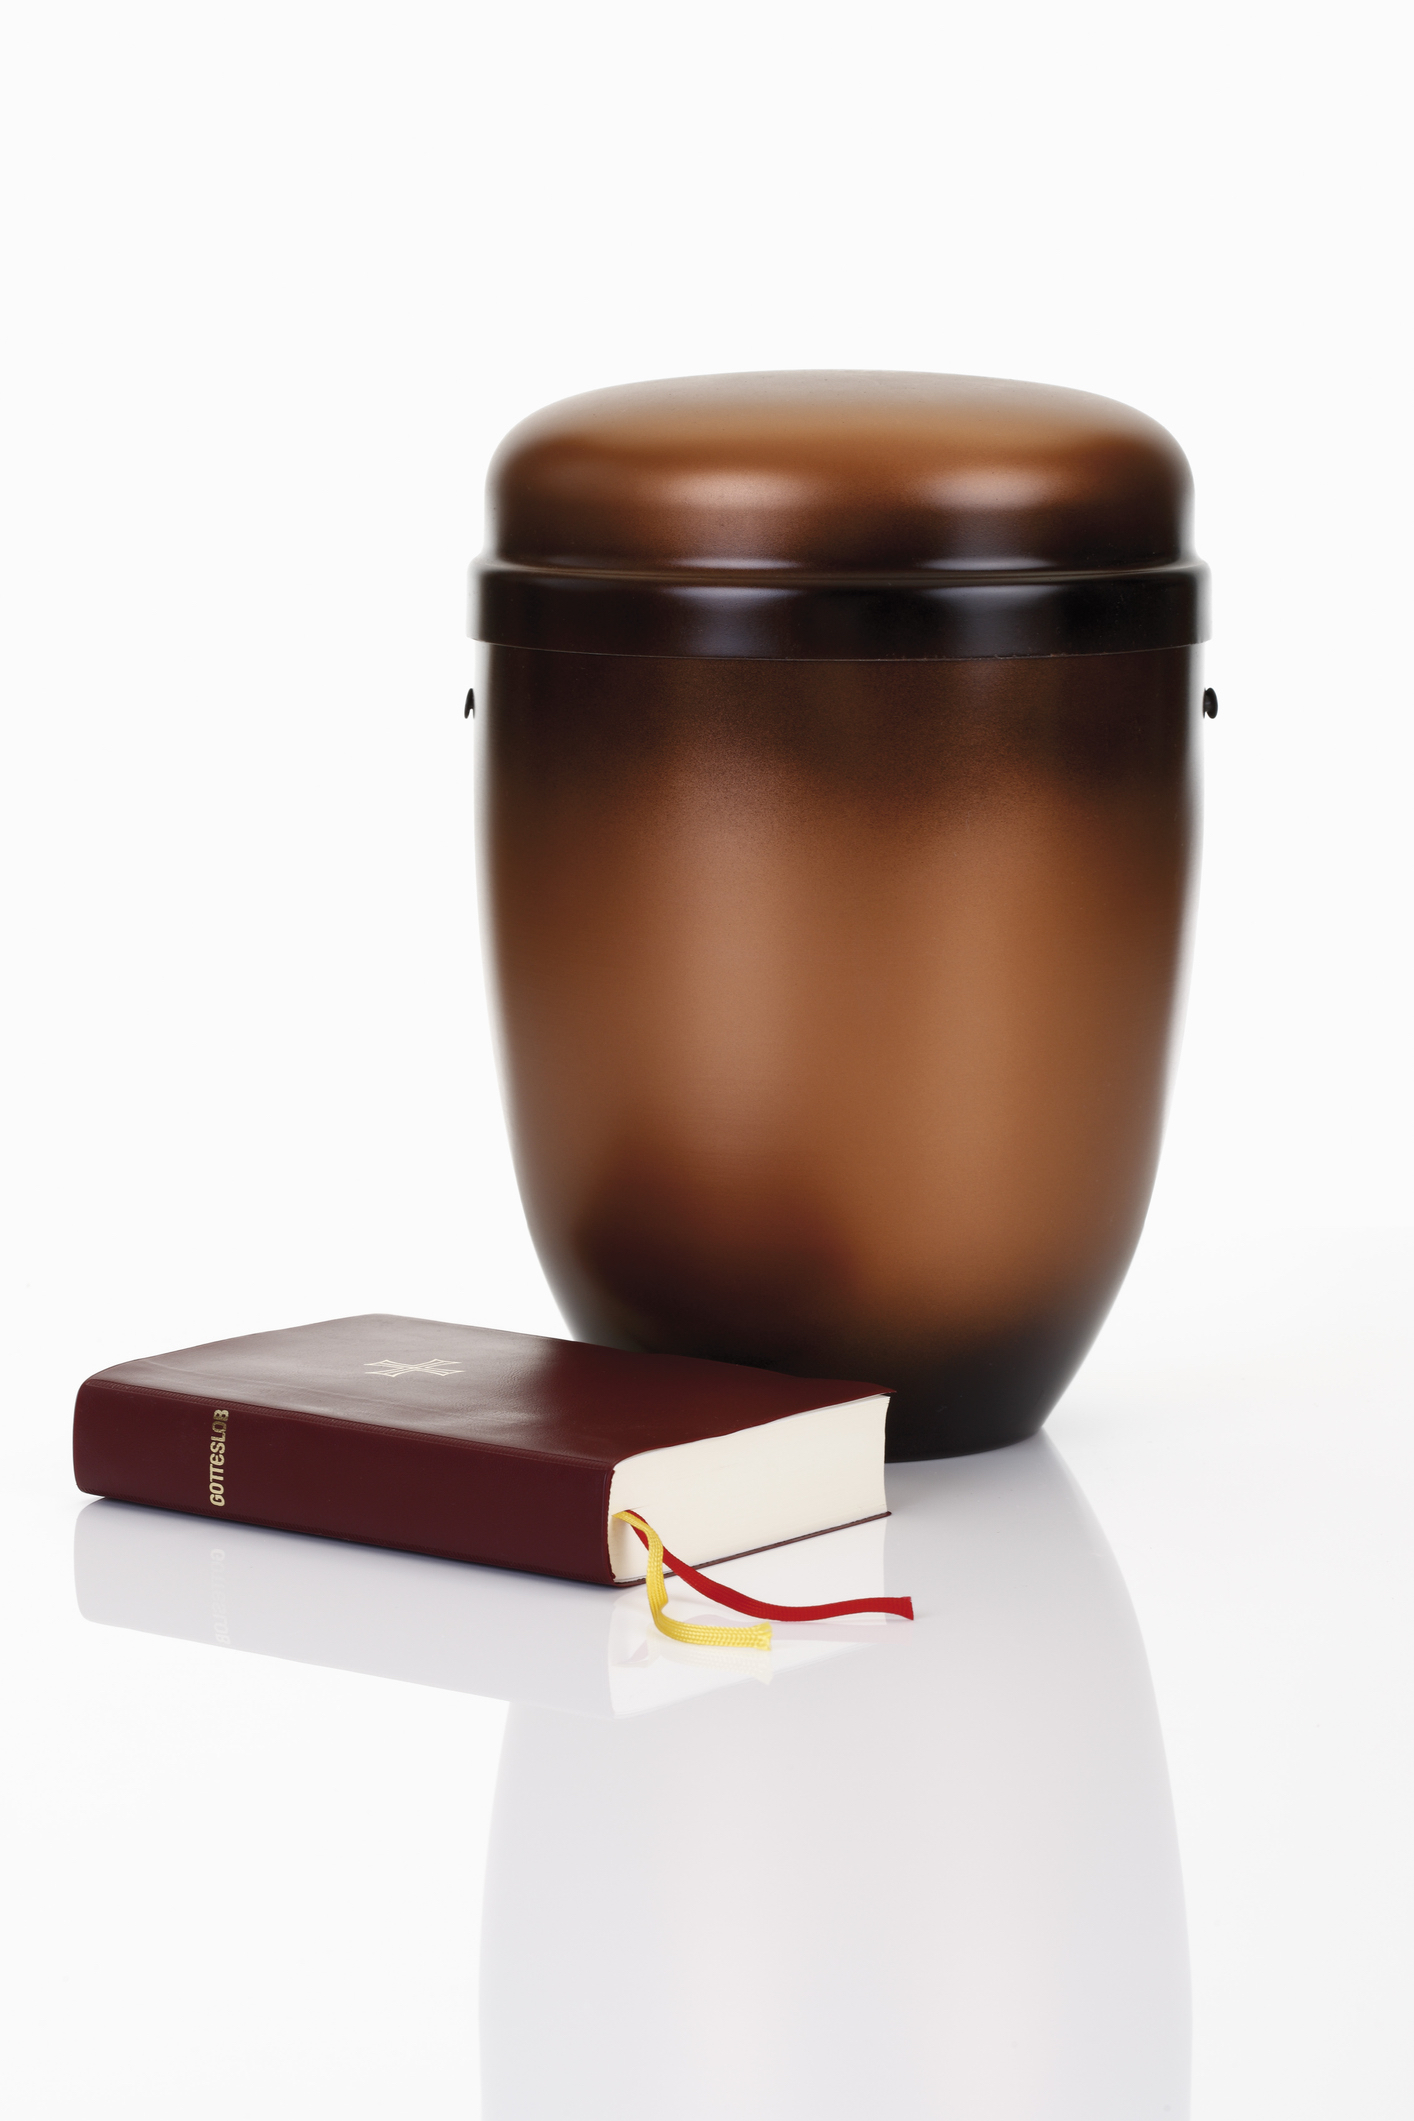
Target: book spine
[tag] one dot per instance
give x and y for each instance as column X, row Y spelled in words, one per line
column 401, row 1488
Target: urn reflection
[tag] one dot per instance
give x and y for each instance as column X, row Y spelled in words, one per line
column 936, row 1874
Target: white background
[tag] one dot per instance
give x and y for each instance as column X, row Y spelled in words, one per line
column 277, row 279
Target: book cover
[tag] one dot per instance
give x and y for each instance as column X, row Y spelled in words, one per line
column 475, row 1445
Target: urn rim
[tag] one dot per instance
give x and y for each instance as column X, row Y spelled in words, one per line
column 859, row 515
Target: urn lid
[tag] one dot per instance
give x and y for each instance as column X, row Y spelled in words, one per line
column 839, row 513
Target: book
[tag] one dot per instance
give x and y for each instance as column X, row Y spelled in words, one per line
column 469, row 1444
column 504, row 1636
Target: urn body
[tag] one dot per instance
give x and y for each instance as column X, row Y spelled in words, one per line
column 835, row 1003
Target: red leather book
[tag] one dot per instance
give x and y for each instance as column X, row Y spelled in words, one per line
column 475, row 1445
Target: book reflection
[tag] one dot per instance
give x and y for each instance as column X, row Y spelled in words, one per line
column 574, row 1647
column 929, row 1869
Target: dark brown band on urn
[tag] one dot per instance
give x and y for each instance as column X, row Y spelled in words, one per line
column 857, row 620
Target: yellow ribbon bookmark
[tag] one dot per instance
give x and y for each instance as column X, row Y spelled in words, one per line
column 757, row 1638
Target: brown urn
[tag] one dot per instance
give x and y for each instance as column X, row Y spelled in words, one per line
column 837, row 817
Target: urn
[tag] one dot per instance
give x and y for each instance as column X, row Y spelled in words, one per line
column 837, row 816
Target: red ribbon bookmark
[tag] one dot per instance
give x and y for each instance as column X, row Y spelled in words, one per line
column 759, row 1610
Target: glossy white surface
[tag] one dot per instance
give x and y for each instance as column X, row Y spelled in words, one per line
column 275, row 1828
column 932, row 1863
